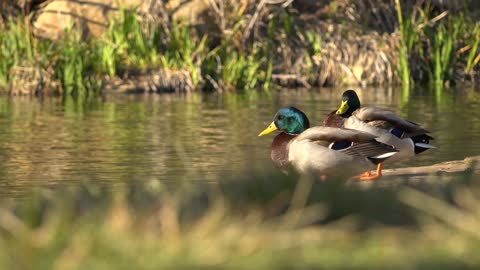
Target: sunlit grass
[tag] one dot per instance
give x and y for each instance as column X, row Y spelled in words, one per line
column 434, row 44
column 473, row 55
column 408, row 37
column 241, row 71
column 257, row 223
column 16, row 46
column 436, row 48
column 71, row 59
column 131, row 45
column 75, row 65
column 185, row 51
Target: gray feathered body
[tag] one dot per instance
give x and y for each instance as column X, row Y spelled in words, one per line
column 314, row 151
column 380, row 123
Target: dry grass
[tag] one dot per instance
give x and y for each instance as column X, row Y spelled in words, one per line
column 254, row 223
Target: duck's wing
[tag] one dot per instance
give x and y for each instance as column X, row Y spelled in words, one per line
column 331, row 134
column 386, row 119
column 374, row 150
column 348, row 141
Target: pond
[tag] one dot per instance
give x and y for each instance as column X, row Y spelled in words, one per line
column 197, row 137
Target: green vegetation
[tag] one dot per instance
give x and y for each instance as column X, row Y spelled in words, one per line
column 73, row 61
column 75, row 66
column 435, row 46
column 254, row 223
column 16, row 47
column 408, row 38
column 131, row 46
column 126, row 45
column 240, row 51
column 473, row 57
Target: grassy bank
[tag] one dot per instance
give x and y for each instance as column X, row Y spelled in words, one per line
column 438, row 48
column 263, row 222
column 293, row 45
column 75, row 66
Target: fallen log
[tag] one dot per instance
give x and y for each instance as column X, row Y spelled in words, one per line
column 443, row 172
column 455, row 166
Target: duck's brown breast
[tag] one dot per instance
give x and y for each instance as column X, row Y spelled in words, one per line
column 334, row 120
column 279, row 152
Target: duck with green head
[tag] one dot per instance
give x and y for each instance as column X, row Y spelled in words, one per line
column 323, row 151
column 407, row 137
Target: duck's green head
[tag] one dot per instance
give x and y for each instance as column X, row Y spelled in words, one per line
column 350, row 103
column 289, row 120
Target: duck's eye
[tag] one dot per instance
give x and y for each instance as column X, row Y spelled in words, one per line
column 281, row 117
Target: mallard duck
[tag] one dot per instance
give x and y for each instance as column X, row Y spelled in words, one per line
column 407, row 137
column 322, row 151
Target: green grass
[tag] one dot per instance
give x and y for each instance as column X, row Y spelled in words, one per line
column 185, row 52
column 409, row 36
column 236, row 71
column 130, row 46
column 71, row 59
column 473, row 58
column 433, row 46
column 251, row 223
column 433, row 50
column 17, row 48
column 236, row 68
column 241, row 71
column 74, row 66
column 449, row 36
column 315, row 42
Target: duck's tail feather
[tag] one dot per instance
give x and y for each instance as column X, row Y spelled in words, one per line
column 422, row 143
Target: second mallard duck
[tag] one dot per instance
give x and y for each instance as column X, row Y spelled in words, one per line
column 407, row 137
column 323, row 151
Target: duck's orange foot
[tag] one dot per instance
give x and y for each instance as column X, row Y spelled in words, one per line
column 361, row 176
column 370, row 177
column 367, row 176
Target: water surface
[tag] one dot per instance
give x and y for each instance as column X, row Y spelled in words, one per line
column 47, row 142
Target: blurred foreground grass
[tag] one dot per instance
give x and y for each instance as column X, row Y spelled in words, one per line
column 263, row 221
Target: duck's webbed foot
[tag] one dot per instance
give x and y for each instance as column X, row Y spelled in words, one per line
column 368, row 176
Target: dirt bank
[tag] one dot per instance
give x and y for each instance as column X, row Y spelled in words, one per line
column 309, row 43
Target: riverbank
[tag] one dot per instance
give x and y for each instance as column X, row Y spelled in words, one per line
column 237, row 47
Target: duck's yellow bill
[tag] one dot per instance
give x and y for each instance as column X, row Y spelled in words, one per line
column 343, row 108
column 271, row 128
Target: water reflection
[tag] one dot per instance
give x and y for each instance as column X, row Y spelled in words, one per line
column 192, row 137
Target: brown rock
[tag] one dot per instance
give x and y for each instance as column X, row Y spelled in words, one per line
column 91, row 17
column 190, row 11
